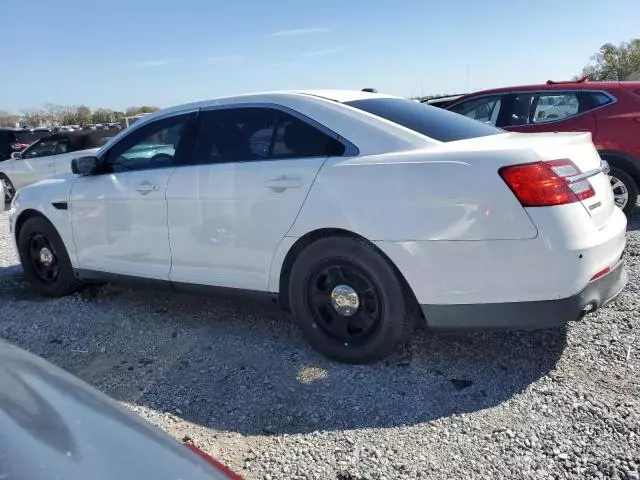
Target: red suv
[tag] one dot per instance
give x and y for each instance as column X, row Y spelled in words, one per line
column 609, row 110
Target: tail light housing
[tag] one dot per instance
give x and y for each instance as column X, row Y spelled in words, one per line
column 546, row 184
column 18, row 147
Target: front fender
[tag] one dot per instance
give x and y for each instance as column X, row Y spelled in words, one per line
column 48, row 198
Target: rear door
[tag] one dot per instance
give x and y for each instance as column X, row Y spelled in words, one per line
column 549, row 111
column 232, row 203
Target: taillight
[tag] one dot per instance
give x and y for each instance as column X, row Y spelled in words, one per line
column 17, row 147
column 545, row 184
column 223, row 469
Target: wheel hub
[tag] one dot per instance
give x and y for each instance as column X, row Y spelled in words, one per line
column 46, row 256
column 345, row 300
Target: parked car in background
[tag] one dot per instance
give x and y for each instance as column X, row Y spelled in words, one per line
column 47, row 156
column 17, row 139
column 442, row 101
column 610, row 111
column 362, row 212
column 56, row 426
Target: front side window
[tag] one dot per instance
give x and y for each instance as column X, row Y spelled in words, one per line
column 433, row 122
column 484, row 109
column 152, row 146
column 255, row 133
column 42, row 148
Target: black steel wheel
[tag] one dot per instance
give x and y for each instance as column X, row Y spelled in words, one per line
column 348, row 300
column 344, row 300
column 44, row 258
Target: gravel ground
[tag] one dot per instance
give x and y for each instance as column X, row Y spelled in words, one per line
column 239, row 380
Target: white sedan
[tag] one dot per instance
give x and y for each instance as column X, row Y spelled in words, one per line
column 361, row 212
column 48, row 156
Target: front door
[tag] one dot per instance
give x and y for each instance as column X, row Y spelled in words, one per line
column 36, row 162
column 240, row 193
column 119, row 215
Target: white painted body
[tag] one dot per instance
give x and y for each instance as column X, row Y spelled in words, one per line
column 25, row 171
column 439, row 211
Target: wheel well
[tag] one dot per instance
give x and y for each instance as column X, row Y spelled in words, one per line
column 311, row 237
column 624, row 162
column 24, row 216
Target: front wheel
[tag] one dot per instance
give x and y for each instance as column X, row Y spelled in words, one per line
column 625, row 190
column 45, row 260
column 348, row 301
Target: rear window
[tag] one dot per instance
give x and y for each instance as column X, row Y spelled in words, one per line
column 432, row 122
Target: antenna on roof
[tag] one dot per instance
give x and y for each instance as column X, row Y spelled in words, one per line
column 370, row 90
column 580, row 80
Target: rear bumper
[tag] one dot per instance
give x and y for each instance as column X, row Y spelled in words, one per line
column 527, row 315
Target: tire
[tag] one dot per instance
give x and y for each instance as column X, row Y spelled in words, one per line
column 51, row 279
column 625, row 182
column 8, row 188
column 383, row 314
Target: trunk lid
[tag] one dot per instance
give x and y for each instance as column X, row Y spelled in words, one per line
column 578, row 148
column 549, row 146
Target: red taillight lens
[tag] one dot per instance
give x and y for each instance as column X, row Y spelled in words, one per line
column 213, row 462
column 545, row 184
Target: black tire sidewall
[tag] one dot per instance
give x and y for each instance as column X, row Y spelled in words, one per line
column 66, row 282
column 632, row 188
column 394, row 324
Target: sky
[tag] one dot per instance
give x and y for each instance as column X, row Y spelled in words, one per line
column 119, row 53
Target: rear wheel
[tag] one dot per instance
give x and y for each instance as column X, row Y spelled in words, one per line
column 348, row 300
column 625, row 190
column 45, row 260
column 8, row 188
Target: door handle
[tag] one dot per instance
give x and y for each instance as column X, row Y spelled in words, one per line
column 146, row 187
column 282, row 183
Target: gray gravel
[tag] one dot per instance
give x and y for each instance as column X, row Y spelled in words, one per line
column 239, row 380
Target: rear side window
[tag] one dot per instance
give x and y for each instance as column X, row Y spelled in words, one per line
column 432, row 122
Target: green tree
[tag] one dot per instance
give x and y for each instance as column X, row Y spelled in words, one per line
column 83, row 115
column 612, row 62
column 104, row 115
column 131, row 111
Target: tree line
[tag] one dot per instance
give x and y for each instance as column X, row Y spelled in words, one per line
column 52, row 114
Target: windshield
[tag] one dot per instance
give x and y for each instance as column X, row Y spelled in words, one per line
column 432, row 122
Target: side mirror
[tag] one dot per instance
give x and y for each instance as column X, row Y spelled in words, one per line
column 16, row 155
column 84, row 165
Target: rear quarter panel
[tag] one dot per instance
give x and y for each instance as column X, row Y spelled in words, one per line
column 419, row 195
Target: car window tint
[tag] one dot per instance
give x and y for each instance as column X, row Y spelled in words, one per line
column 43, row 148
column 433, row 122
column 598, row 99
column 152, row 146
column 483, row 109
column 254, row 133
column 531, row 108
column 297, row 139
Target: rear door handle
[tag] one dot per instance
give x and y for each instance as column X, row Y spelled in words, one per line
column 282, row 183
column 146, row 187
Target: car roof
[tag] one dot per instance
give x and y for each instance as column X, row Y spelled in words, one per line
column 577, row 85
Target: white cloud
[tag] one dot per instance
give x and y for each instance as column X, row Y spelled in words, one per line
column 153, row 63
column 224, row 58
column 323, row 52
column 299, row 31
